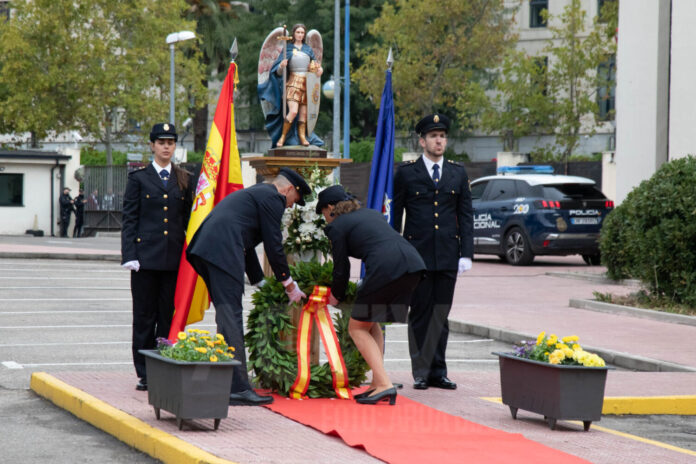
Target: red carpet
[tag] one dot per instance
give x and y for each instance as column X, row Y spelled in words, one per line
column 410, row 432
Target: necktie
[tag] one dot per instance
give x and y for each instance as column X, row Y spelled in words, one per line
column 436, row 173
column 164, row 174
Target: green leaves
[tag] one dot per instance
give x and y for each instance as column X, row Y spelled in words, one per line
column 271, row 335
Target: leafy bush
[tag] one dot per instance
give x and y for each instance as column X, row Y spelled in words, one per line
column 363, row 150
column 91, row 157
column 651, row 235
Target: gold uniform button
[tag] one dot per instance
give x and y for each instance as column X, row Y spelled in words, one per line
column 165, row 208
column 452, row 192
column 147, row 196
column 437, row 215
column 435, row 203
column 166, row 233
column 436, row 226
column 166, row 220
column 417, row 193
column 137, row 239
column 436, row 192
column 165, row 196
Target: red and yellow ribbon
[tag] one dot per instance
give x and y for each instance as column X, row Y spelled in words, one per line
column 316, row 308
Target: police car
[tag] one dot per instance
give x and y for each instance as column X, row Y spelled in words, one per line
column 526, row 211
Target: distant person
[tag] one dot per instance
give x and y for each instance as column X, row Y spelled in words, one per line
column 224, row 248
column 66, row 208
column 156, row 210
column 436, row 197
column 93, row 201
column 393, row 269
column 79, row 202
column 108, row 203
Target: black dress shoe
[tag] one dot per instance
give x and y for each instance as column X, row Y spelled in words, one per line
column 363, row 394
column 442, row 382
column 398, row 386
column 249, row 398
column 142, row 385
column 419, row 383
column 386, row 395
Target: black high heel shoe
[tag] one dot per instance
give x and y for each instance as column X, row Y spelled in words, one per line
column 387, row 395
column 363, row 394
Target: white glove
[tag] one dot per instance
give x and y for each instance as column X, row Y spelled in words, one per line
column 295, row 294
column 260, row 283
column 132, row 265
column 464, row 265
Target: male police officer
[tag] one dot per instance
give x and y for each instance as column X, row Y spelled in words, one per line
column 436, row 197
column 156, row 208
column 223, row 248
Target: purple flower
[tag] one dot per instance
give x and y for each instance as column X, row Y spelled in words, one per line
column 163, row 342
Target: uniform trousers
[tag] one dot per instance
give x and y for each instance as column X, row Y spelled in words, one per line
column 153, row 308
column 226, row 293
column 428, row 328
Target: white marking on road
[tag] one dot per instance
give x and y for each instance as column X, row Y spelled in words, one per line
column 17, row 345
column 12, row 365
column 65, row 299
column 61, row 312
column 128, row 363
column 110, row 326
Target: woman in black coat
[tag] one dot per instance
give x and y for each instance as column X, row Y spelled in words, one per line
column 393, row 268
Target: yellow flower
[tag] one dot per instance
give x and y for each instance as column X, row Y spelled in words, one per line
column 201, row 350
column 210, row 344
column 213, row 358
column 231, row 348
column 192, row 339
column 220, row 337
column 570, row 338
column 576, row 347
column 540, row 338
column 181, row 336
column 204, row 332
column 219, row 351
column 552, row 340
column 568, row 352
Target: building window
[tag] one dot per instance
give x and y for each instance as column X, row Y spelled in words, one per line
column 536, row 19
column 11, row 188
column 600, row 5
column 606, row 89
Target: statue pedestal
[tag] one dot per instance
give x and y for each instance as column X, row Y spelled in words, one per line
column 301, row 159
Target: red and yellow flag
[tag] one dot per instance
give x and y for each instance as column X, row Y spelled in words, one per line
column 221, row 174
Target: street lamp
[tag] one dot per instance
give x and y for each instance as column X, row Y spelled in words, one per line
column 171, row 40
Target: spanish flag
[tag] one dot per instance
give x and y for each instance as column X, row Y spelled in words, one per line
column 221, row 174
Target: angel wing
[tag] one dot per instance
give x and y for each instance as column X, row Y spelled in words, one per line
column 314, row 41
column 270, row 50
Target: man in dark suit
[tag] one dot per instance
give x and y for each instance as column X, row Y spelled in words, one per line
column 156, row 209
column 436, row 197
column 223, row 248
column 66, row 208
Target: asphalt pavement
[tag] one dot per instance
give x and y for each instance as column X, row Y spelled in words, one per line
column 65, row 309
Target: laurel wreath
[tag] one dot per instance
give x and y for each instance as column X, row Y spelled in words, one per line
column 274, row 358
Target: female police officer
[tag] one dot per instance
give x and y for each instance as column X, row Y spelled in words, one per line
column 156, row 208
column 393, row 268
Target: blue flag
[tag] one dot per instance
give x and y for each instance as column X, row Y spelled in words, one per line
column 381, row 190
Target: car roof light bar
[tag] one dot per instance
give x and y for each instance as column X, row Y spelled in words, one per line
column 531, row 169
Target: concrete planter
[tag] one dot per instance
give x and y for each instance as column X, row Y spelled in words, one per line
column 189, row 390
column 557, row 392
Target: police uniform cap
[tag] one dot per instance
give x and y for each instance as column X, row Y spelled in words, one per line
column 437, row 121
column 298, row 182
column 163, row 130
column 331, row 196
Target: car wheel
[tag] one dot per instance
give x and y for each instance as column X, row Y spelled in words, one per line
column 517, row 248
column 592, row 260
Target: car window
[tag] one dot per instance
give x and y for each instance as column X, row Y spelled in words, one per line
column 477, row 190
column 501, row 189
column 574, row 191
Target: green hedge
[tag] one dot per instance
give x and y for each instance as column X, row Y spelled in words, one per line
column 651, row 236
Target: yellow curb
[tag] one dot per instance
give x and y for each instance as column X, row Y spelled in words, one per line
column 642, row 405
column 134, row 432
column 628, row 435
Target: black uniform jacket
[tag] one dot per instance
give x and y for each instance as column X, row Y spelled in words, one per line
column 242, row 220
column 439, row 220
column 364, row 234
column 155, row 218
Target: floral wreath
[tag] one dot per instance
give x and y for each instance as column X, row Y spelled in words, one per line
column 274, row 358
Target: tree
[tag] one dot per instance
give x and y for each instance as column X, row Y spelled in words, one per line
column 99, row 67
column 442, row 52
column 573, row 80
